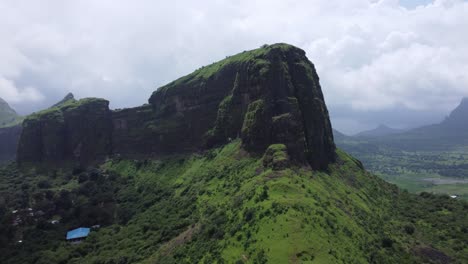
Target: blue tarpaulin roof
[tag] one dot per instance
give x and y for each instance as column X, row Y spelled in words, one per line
column 78, row 233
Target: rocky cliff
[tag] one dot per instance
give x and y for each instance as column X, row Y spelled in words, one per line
column 77, row 131
column 264, row 96
column 9, row 137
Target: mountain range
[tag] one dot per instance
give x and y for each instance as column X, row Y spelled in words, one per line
column 452, row 132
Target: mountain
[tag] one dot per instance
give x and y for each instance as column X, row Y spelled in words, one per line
column 458, row 118
column 234, row 163
column 10, row 134
column 261, row 96
column 8, row 116
column 448, row 134
column 381, row 130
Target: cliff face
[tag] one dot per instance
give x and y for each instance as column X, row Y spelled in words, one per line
column 79, row 131
column 9, row 137
column 264, row 96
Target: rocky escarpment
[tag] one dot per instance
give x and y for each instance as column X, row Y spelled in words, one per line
column 77, row 131
column 265, row 96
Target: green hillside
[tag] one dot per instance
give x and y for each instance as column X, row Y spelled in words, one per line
column 8, row 116
column 226, row 206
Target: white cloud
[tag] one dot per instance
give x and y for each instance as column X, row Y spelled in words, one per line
column 12, row 94
column 371, row 55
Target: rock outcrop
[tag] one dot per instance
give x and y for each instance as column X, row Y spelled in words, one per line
column 79, row 131
column 265, row 96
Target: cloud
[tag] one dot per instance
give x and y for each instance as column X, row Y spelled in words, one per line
column 12, row 94
column 370, row 55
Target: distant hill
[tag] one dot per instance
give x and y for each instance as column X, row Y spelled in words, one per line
column 410, row 158
column 458, row 118
column 450, row 133
column 381, row 130
column 8, row 116
column 338, row 135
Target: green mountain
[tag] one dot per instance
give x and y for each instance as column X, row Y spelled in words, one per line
column 235, row 163
column 450, row 133
column 8, row 116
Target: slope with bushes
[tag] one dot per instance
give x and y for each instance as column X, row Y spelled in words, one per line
column 226, row 206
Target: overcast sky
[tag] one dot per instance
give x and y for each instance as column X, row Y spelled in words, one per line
column 401, row 63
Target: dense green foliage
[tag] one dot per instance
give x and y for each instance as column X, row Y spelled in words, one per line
column 224, row 206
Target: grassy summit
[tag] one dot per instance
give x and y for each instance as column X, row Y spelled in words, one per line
column 206, row 72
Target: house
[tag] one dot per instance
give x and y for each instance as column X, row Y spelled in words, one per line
column 77, row 235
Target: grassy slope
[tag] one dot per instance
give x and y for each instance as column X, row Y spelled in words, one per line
column 209, row 71
column 223, row 207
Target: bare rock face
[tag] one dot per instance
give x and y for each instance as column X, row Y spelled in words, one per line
column 79, row 131
column 9, row 137
column 265, row 96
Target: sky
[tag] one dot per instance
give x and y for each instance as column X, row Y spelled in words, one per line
column 400, row 63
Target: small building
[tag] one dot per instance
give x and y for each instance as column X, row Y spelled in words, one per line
column 77, row 235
